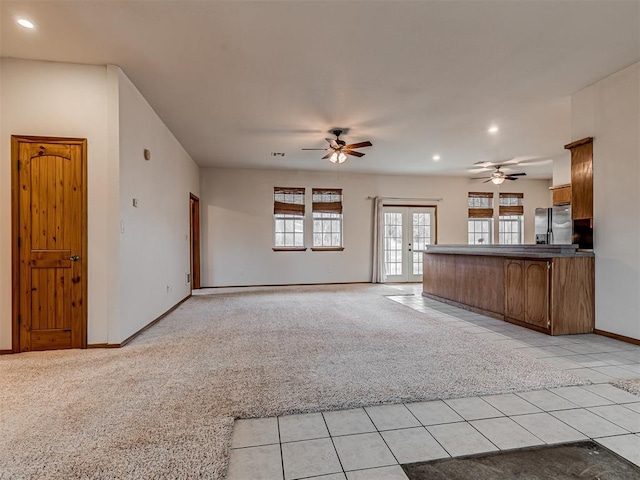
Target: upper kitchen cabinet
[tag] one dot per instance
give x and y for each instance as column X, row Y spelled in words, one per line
column 561, row 194
column 581, row 178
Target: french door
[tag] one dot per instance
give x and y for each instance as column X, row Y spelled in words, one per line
column 407, row 230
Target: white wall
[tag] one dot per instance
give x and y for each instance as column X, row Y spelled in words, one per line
column 54, row 99
column 154, row 247
column 562, row 169
column 237, row 222
column 609, row 111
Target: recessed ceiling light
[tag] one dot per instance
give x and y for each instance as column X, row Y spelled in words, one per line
column 23, row 22
column 493, row 129
column 436, row 157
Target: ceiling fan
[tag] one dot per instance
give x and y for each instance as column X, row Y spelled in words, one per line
column 499, row 176
column 338, row 149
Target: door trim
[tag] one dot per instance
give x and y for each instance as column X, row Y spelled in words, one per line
column 194, row 247
column 15, row 227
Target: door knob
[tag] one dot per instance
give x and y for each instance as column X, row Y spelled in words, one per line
column 74, row 258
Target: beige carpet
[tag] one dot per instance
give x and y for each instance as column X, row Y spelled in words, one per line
column 162, row 407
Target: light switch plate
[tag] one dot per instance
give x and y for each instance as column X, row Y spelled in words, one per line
column 135, row 202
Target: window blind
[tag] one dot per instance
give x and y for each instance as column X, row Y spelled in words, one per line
column 327, row 200
column 480, row 204
column 288, row 201
column 511, row 204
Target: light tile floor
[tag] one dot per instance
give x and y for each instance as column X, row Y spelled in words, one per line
column 370, row 443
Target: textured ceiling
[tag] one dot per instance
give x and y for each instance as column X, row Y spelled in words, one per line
column 238, row 80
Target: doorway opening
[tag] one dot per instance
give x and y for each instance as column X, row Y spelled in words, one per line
column 406, row 231
column 194, row 222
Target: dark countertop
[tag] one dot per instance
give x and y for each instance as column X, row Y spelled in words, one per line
column 520, row 251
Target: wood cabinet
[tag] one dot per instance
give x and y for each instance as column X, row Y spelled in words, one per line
column 554, row 294
column 581, row 178
column 527, row 292
column 561, row 194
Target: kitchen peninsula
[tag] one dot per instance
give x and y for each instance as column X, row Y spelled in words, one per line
column 549, row 288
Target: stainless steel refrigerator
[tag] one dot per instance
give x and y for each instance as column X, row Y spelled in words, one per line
column 554, row 226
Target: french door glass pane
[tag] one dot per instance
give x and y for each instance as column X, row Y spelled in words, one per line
column 393, row 243
column 421, row 238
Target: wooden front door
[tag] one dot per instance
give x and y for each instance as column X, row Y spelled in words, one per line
column 49, row 207
column 195, row 241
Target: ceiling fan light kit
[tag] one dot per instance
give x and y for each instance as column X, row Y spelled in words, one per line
column 338, row 149
column 337, row 157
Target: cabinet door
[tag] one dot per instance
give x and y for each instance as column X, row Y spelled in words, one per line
column 536, row 299
column 514, row 289
column 582, row 181
column 562, row 195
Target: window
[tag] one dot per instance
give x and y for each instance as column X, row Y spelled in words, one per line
column 480, row 231
column 288, row 215
column 510, row 221
column 327, row 218
column 480, row 222
column 510, row 229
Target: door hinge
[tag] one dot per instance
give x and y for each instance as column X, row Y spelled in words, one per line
column 19, row 319
column 19, row 242
column 18, row 164
column 548, row 265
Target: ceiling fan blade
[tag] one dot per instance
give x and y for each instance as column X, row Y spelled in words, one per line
column 486, row 181
column 315, row 149
column 480, row 178
column 327, row 155
column 516, row 174
column 355, row 154
column 509, row 178
column 333, row 143
column 359, row 145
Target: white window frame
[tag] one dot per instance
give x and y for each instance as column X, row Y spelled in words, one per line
column 293, row 227
column 327, row 231
column 327, row 227
column 473, row 234
column 289, row 228
column 506, row 236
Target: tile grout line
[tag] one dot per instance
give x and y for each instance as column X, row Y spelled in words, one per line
column 333, row 443
column 380, row 434
column 427, row 430
column 280, row 445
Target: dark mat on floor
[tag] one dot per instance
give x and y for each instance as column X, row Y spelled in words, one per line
column 583, row 460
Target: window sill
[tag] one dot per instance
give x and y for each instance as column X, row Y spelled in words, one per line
column 327, row 249
column 289, row 249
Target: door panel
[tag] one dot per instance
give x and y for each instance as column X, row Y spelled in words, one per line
column 423, row 234
column 514, row 289
column 394, row 240
column 195, row 241
column 51, row 212
column 536, row 302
